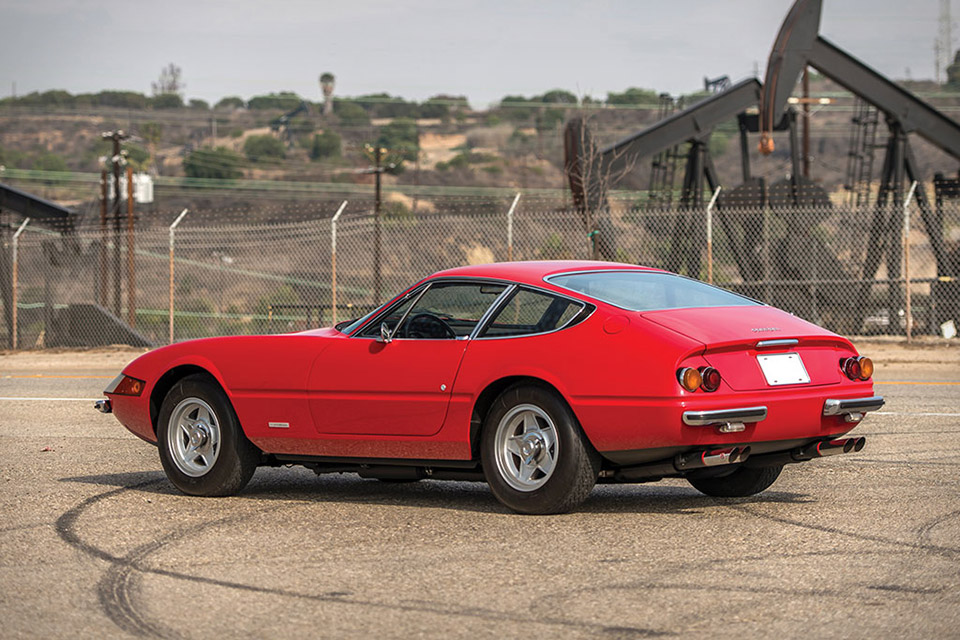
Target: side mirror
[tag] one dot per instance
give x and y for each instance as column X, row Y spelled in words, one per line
column 385, row 336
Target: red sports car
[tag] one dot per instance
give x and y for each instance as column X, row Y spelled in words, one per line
column 541, row 378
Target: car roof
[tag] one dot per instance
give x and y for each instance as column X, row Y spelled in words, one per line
column 534, row 271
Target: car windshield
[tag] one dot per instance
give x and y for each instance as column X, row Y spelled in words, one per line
column 648, row 290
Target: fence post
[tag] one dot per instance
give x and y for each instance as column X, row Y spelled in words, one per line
column 173, row 228
column 13, row 278
column 333, row 260
column 713, row 202
column 513, row 207
column 906, row 257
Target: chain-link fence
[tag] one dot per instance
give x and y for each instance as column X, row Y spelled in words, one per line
column 846, row 269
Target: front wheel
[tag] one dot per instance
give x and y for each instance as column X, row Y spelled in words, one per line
column 202, row 448
column 535, row 457
column 745, row 481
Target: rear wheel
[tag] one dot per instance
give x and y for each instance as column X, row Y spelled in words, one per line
column 535, row 457
column 742, row 482
column 202, row 448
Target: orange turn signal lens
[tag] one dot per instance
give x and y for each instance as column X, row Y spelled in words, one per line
column 124, row 385
column 857, row 368
column 689, row 378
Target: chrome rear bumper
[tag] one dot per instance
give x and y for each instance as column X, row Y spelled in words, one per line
column 724, row 416
column 852, row 409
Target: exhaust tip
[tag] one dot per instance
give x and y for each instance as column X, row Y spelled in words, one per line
column 858, row 443
column 744, row 453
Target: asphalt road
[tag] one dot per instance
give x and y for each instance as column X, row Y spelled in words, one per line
column 95, row 543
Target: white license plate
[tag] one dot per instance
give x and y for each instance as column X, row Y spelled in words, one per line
column 783, row 368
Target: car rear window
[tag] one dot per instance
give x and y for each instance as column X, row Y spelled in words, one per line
column 648, row 291
column 531, row 312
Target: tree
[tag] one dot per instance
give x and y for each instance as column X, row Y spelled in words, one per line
column 199, row 105
column 219, row 164
column 230, row 102
column 170, row 81
column 350, row 113
column 258, row 148
column 285, row 101
column 167, row 101
column 327, row 82
column 325, row 145
column 402, row 137
column 633, row 96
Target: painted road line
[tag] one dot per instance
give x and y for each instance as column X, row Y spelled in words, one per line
column 914, row 382
column 52, row 399
column 911, row 413
column 43, row 376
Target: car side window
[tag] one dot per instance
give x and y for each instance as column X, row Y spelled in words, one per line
column 391, row 319
column 529, row 312
column 449, row 310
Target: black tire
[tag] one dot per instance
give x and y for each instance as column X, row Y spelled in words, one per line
column 216, row 470
column 574, row 464
column 744, row 481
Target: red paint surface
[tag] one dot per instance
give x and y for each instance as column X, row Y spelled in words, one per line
column 356, row 397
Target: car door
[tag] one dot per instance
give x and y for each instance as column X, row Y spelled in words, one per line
column 363, row 385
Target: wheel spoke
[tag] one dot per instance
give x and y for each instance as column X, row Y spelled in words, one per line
column 546, row 463
column 530, row 423
column 526, row 471
column 513, row 446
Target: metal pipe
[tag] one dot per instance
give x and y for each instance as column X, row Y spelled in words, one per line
column 333, row 260
column 513, row 207
column 906, row 258
column 131, row 243
column 713, row 202
column 15, row 246
column 172, row 230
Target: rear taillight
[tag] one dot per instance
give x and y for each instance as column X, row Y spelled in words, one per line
column 711, row 379
column 124, row 385
column 857, row 368
column 689, row 378
column 706, row 378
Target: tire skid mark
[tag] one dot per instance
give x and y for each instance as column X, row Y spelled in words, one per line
column 944, row 551
column 116, row 587
column 923, row 532
column 558, row 599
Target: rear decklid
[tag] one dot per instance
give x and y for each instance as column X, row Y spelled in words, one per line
column 736, row 339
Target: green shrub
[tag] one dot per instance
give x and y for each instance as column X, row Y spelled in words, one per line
column 325, row 145
column 259, row 148
column 220, row 164
column 50, row 162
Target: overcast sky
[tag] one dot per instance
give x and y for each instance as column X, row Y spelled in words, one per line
column 483, row 49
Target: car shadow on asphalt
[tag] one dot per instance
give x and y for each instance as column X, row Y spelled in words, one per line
column 302, row 485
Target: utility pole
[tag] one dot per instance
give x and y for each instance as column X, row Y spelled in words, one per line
column 116, row 136
column 806, row 122
column 377, row 170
